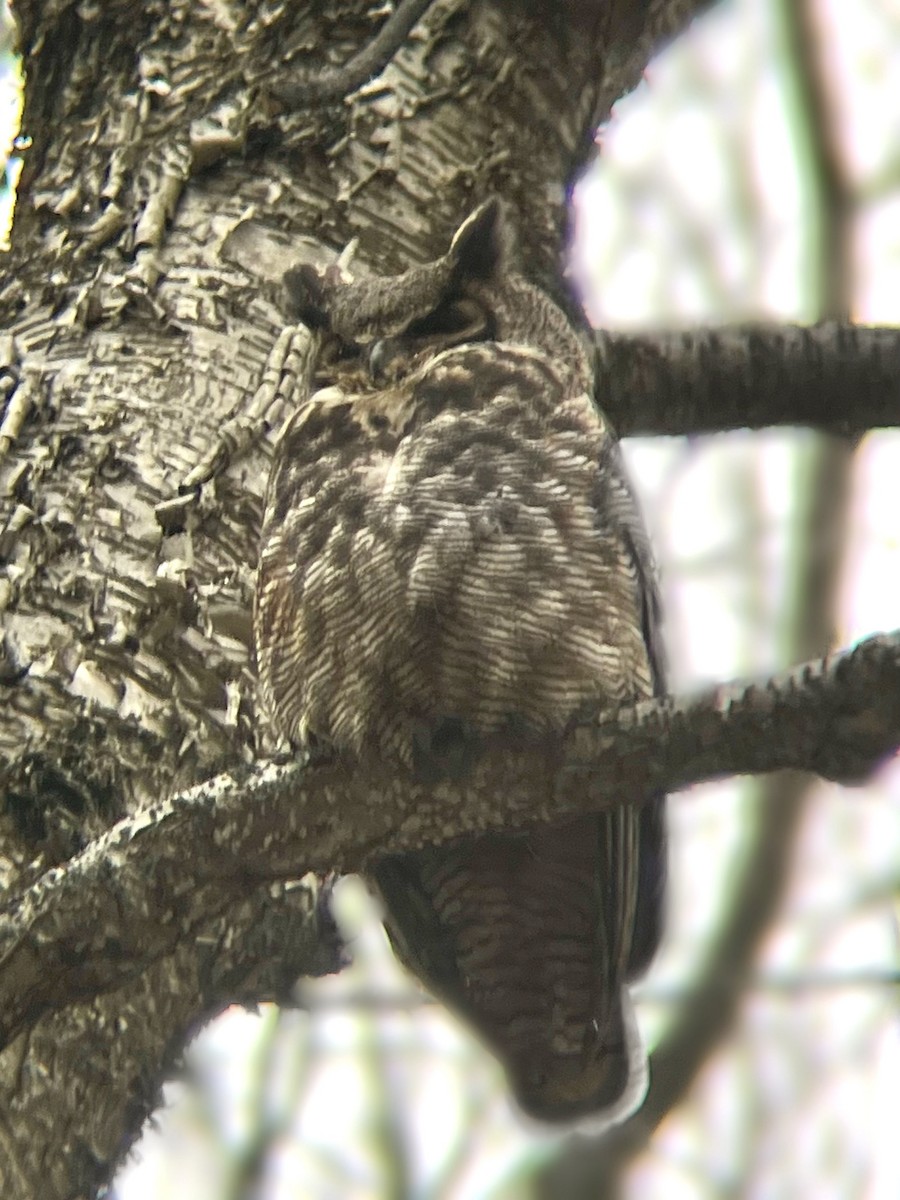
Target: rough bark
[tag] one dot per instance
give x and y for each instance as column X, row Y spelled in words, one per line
column 134, row 343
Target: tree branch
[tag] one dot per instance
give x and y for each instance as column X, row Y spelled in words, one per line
column 837, row 377
column 157, row 877
column 111, row 1055
column 337, row 82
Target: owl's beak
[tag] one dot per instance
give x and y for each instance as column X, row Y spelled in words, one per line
column 381, row 353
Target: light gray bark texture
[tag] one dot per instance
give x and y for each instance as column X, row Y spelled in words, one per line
column 146, row 370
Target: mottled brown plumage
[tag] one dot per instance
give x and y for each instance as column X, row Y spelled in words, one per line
column 457, row 552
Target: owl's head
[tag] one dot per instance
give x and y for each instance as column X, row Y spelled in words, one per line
column 395, row 322
column 479, row 253
column 392, row 325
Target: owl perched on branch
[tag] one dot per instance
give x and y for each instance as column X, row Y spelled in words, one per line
column 451, row 549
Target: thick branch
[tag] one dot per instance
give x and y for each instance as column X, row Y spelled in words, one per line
column 840, row 378
column 155, row 878
column 109, row 1056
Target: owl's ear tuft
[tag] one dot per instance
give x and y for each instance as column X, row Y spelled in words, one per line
column 482, row 246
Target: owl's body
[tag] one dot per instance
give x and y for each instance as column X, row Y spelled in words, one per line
column 457, row 554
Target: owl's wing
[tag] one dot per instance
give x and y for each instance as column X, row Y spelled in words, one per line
column 416, row 931
column 617, row 507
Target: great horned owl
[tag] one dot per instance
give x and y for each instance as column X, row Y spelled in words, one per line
column 455, row 551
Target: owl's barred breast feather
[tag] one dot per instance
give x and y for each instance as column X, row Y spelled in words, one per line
column 453, row 555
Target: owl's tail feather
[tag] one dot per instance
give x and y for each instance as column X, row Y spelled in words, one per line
column 589, row 1096
column 531, row 938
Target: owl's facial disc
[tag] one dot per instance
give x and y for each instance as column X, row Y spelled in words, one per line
column 452, row 323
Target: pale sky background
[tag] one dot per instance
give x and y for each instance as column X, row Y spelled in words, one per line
column 697, row 215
